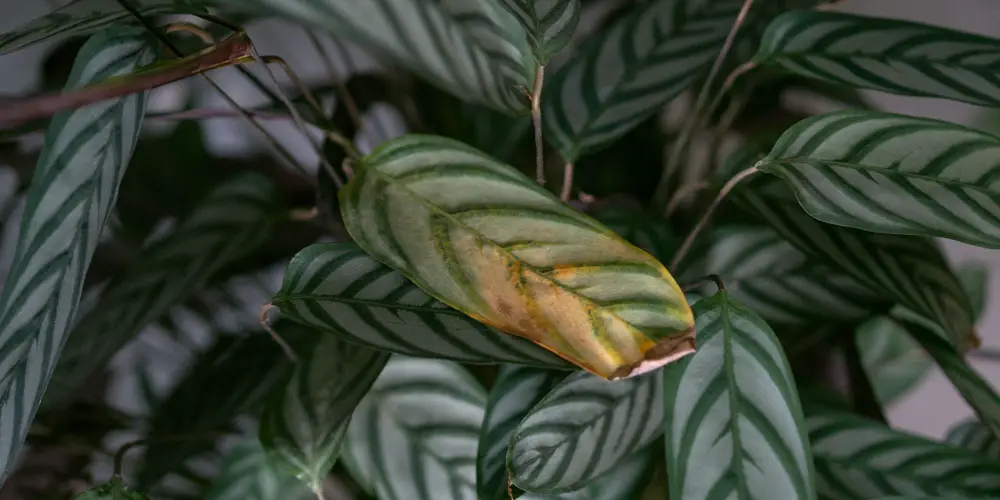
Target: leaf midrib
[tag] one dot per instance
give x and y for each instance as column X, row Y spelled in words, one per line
column 735, row 405
column 764, row 164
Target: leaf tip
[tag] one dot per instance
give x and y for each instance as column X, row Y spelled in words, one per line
column 666, row 351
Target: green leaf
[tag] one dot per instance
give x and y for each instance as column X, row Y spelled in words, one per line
column 113, row 490
column 582, row 429
column 339, row 289
column 626, row 481
column 549, row 24
column 734, row 422
column 861, row 459
column 630, row 70
column 486, row 240
column 231, row 222
column 72, row 191
column 249, row 474
column 894, row 362
column 974, row 277
column 974, row 435
column 892, row 173
column 899, row 57
column 780, row 282
column 304, row 426
column 414, row 436
column 475, row 49
column 652, row 234
column 516, row 390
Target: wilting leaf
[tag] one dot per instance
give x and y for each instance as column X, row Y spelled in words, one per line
column 652, row 234
column 231, row 222
column 630, row 70
column 549, row 24
column 304, row 426
column 861, row 459
column 113, row 490
column 781, row 283
column 516, row 390
column 626, row 481
column 472, row 48
column 340, row 289
column 893, row 361
column 249, row 474
column 414, row 435
column 734, row 422
column 973, row 435
column 899, row 57
column 73, row 188
column 486, row 240
column 891, row 173
column 582, row 429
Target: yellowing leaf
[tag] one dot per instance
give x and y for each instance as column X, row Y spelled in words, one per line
column 483, row 238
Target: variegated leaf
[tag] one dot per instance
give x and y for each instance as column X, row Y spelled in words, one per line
column 781, row 283
column 249, row 474
column 582, row 429
column 626, row 481
column 549, row 24
column 486, row 240
column 231, row 222
column 628, row 72
column 475, row 49
column 339, row 289
column 891, row 173
column 860, row 459
column 305, row 425
column 113, row 490
column 516, row 390
column 893, row 361
column 73, row 188
column 414, row 436
column 974, row 435
column 899, row 57
column 649, row 233
column 734, row 422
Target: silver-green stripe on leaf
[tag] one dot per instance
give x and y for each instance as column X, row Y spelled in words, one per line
column 893, row 361
column 626, row 481
column 338, row 288
column 975, row 436
column 899, row 57
column 516, row 390
column 896, row 174
column 628, row 72
column 733, row 422
column 860, row 459
column 304, row 426
column 650, row 233
column 549, row 24
column 415, row 434
column 72, row 191
column 472, row 48
column 248, row 473
column 483, row 238
column 781, row 283
column 584, row 428
column 231, row 222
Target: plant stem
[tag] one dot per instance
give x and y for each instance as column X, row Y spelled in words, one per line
column 567, row 183
column 686, row 246
column 536, row 120
column 289, row 352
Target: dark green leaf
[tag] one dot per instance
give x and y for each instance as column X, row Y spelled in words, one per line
column 549, row 24
column 249, row 474
column 974, row 435
column 113, row 490
column 975, row 279
column 894, row 362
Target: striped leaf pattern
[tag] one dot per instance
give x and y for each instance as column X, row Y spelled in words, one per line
column 337, row 288
column 973, row 435
column 893, row 361
column 474, row 49
column 486, row 240
column 859, row 459
column 416, row 432
column 516, row 390
column 891, row 173
column 231, row 222
column 898, row 57
column 626, row 481
column 304, row 426
column 629, row 71
column 549, row 24
column 582, row 429
column 73, row 188
column 651, row 234
column 249, row 474
column 781, row 283
column 733, row 426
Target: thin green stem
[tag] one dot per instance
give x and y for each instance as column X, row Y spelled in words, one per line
column 536, row 120
column 567, row 182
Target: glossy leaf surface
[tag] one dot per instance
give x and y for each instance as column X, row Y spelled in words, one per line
column 975, row 436
column 734, row 422
column 249, row 474
column 899, row 57
column 339, row 289
column 486, row 240
column 74, row 186
column 891, row 173
column 549, row 24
